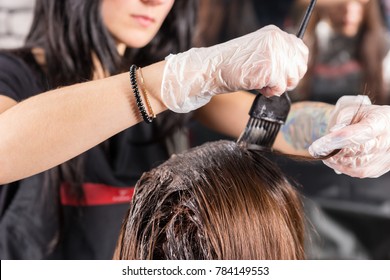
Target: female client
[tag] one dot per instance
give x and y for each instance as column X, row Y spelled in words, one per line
column 216, row 201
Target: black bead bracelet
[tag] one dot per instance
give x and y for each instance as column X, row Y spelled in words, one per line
column 134, row 85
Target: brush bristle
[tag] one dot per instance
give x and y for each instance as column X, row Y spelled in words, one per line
column 259, row 132
column 268, row 114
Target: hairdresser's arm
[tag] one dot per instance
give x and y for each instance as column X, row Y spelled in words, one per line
column 50, row 128
column 307, row 121
column 226, row 114
column 53, row 127
column 364, row 145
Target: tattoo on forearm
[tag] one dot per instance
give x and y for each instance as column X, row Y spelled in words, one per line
column 305, row 124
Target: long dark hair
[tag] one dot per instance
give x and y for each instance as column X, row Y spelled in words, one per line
column 222, row 20
column 216, row 201
column 71, row 31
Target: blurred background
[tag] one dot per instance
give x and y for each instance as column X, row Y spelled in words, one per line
column 15, row 20
column 349, row 40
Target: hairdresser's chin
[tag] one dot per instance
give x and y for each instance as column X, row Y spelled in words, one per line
column 132, row 23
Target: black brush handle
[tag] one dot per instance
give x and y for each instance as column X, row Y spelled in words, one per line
column 273, row 111
column 306, row 19
column 268, row 114
column 303, row 27
column 281, row 105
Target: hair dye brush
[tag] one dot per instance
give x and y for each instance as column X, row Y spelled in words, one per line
column 268, row 114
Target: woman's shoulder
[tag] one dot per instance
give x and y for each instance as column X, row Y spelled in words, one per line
column 19, row 77
column 11, row 59
column 19, row 60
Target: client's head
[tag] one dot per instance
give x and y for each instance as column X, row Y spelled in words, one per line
column 217, row 201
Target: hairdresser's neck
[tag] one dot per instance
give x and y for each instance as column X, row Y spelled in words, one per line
column 39, row 55
column 121, row 47
column 99, row 71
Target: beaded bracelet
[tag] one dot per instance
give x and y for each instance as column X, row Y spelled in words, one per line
column 134, row 85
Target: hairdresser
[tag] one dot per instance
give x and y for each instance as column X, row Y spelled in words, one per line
column 62, row 95
column 59, row 119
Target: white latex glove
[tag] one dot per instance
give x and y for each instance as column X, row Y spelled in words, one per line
column 364, row 145
column 269, row 60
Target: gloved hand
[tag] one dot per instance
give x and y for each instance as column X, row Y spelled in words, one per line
column 268, row 60
column 364, row 145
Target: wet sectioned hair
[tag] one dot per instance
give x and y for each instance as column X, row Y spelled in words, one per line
column 216, row 201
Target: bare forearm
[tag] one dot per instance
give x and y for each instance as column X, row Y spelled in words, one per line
column 306, row 122
column 50, row 128
column 227, row 113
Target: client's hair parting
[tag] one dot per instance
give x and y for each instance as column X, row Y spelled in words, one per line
column 217, row 201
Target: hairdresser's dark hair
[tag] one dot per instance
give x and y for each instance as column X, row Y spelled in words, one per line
column 217, row 201
column 223, row 20
column 70, row 31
